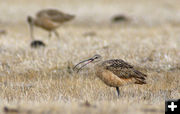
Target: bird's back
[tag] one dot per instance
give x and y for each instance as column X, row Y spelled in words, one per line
column 54, row 15
column 124, row 70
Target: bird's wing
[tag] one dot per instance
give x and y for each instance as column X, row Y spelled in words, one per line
column 54, row 15
column 123, row 70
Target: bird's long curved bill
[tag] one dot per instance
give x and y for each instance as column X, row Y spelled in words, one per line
column 31, row 30
column 87, row 62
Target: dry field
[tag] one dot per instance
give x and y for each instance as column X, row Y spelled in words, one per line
column 42, row 80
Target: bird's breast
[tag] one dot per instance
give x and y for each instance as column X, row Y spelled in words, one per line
column 47, row 24
column 111, row 79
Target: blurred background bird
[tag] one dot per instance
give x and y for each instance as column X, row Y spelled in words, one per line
column 48, row 19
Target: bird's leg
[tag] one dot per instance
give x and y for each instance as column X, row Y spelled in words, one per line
column 50, row 34
column 56, row 33
column 117, row 89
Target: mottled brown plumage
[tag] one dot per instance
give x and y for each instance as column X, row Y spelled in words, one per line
column 123, row 70
column 115, row 72
column 49, row 19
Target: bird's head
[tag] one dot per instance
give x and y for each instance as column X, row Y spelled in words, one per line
column 29, row 19
column 96, row 58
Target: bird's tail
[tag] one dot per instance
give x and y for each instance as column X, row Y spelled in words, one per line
column 140, row 77
column 140, row 82
column 70, row 17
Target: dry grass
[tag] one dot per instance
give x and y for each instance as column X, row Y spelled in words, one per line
column 42, row 80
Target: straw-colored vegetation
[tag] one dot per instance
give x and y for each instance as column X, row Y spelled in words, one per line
column 42, row 80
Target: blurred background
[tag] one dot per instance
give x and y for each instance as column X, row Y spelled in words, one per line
column 150, row 13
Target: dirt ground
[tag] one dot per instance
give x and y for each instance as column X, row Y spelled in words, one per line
column 42, row 80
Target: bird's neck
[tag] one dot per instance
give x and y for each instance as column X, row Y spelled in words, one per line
column 37, row 22
column 98, row 65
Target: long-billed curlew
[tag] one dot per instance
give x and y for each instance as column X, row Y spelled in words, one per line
column 49, row 19
column 115, row 72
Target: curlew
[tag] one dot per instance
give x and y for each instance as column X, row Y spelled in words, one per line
column 49, row 19
column 114, row 72
column 120, row 18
